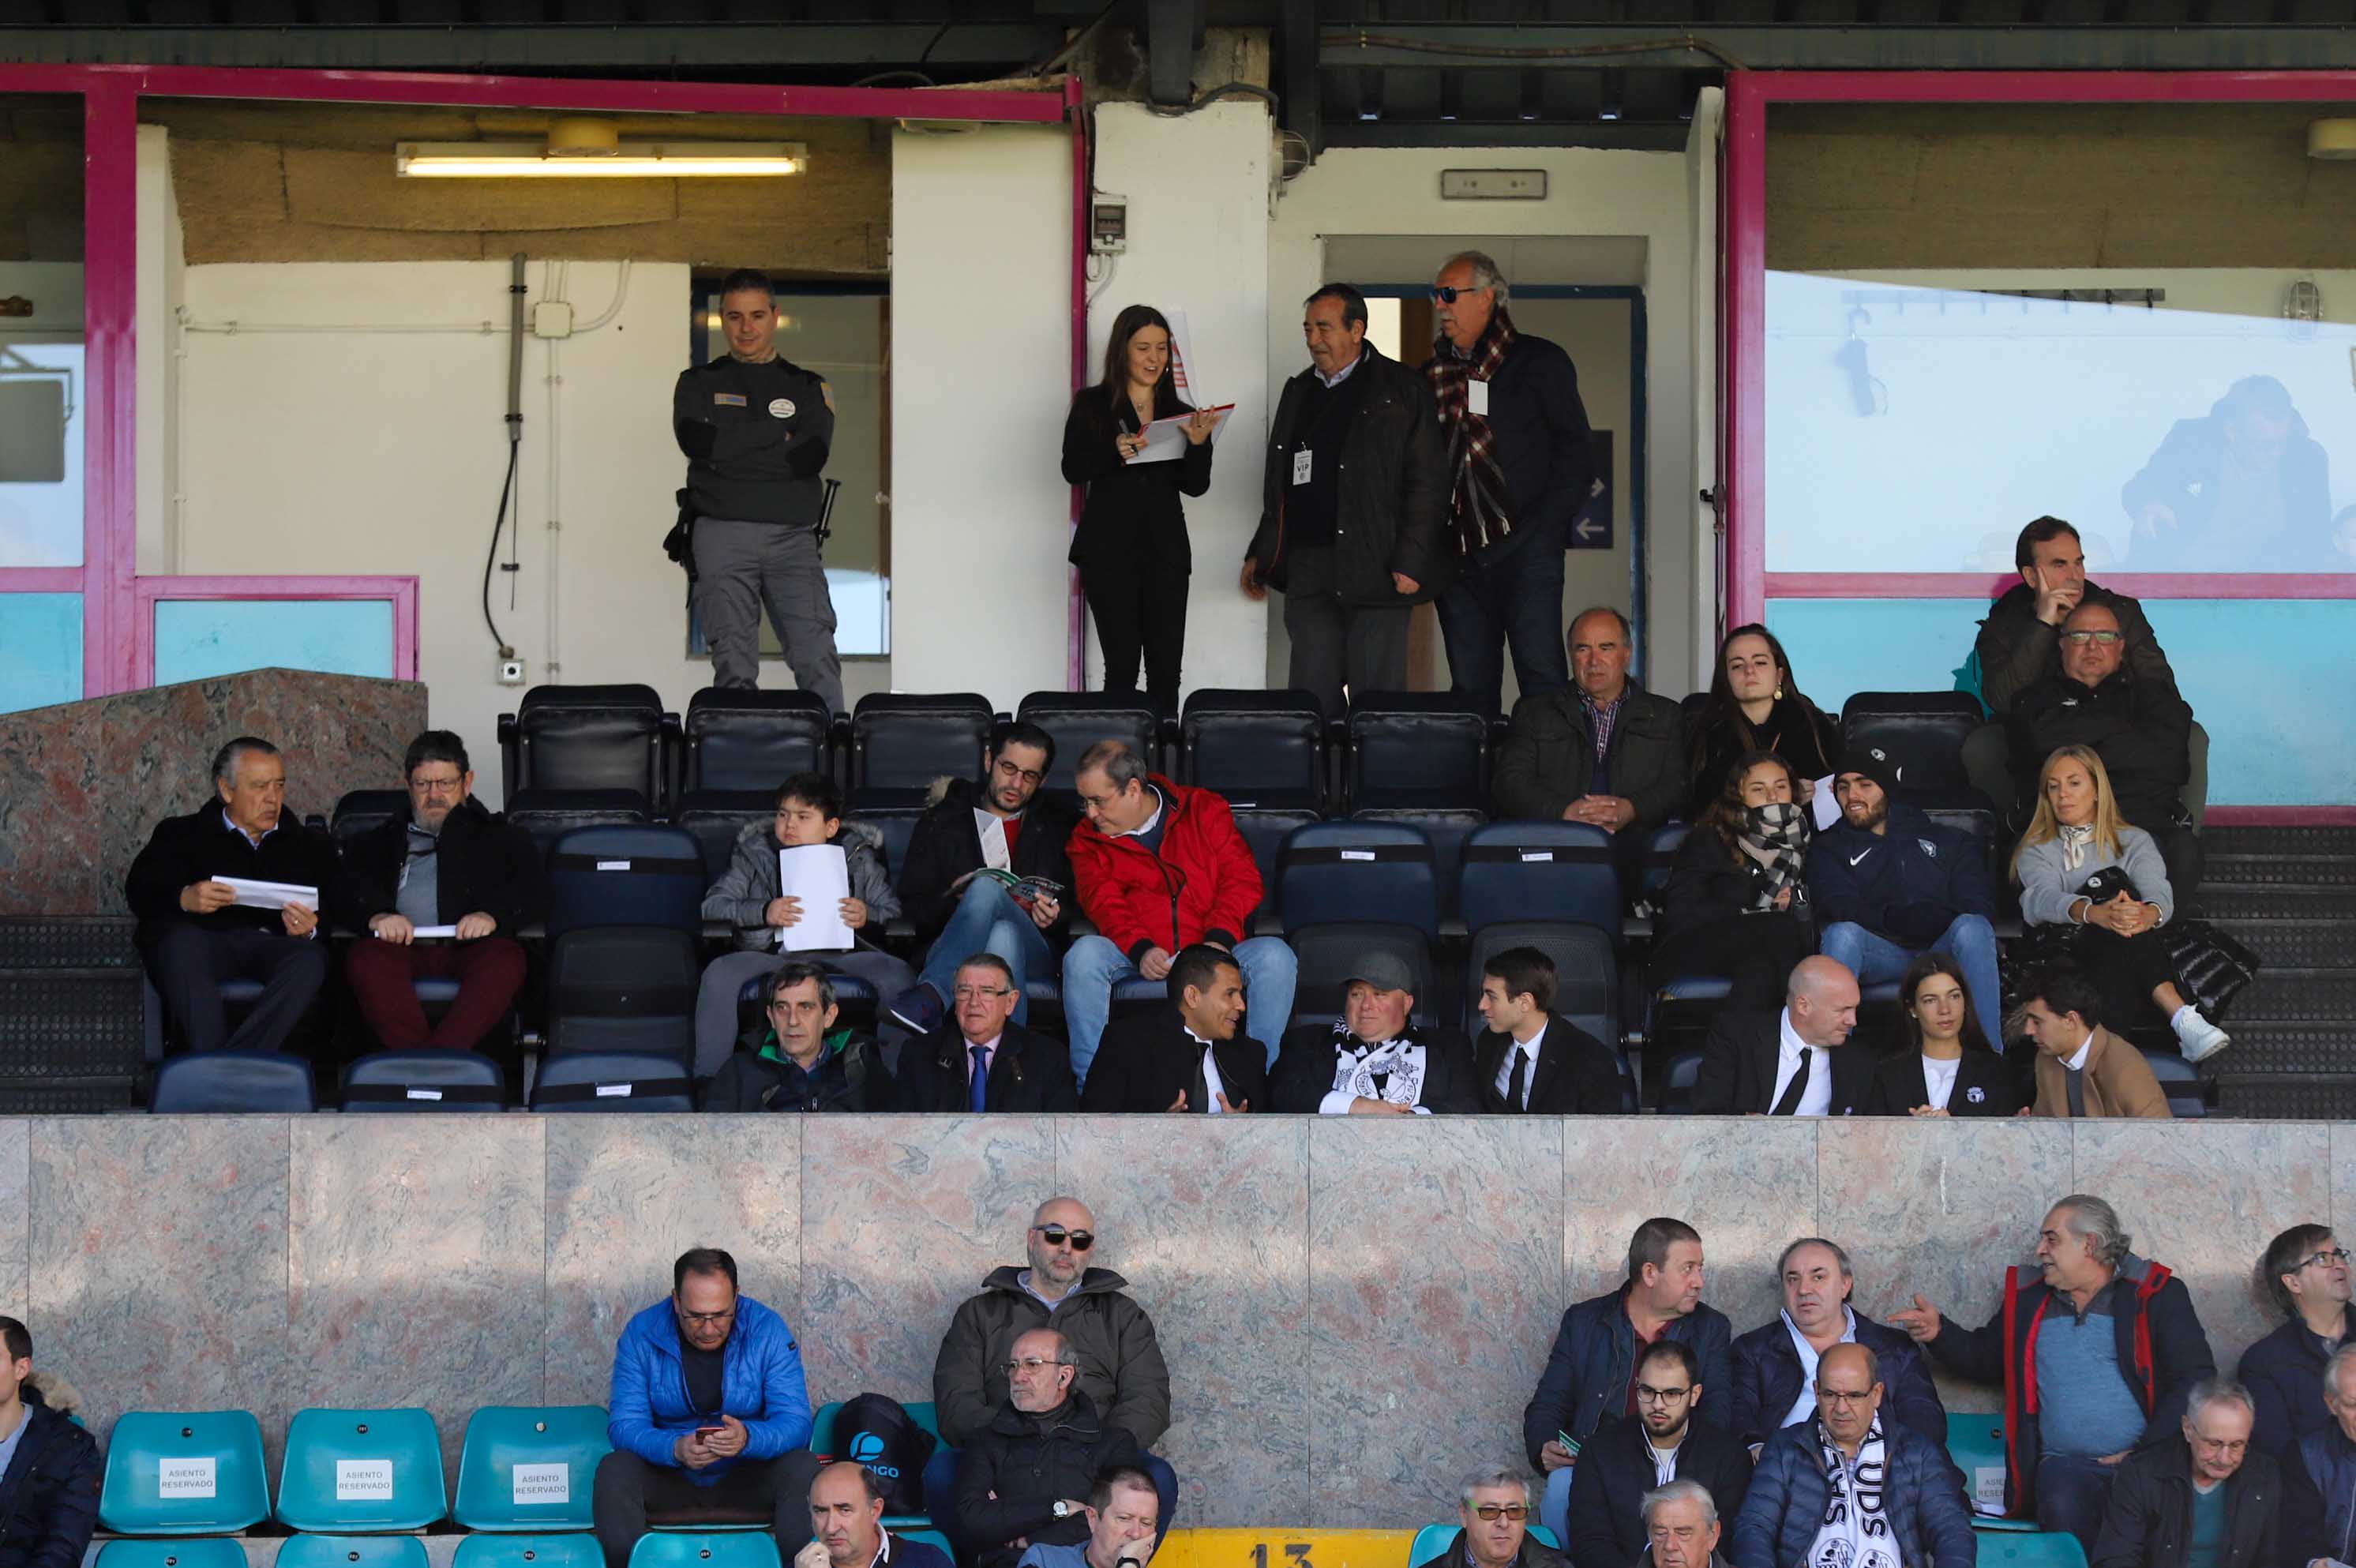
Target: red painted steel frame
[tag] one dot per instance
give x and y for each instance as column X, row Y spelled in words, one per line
column 401, row 591
column 1748, row 96
column 117, row 617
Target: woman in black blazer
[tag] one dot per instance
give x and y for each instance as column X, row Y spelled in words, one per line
column 1131, row 546
column 1947, row 1066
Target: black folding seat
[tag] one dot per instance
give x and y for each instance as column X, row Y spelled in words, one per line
column 362, row 810
column 564, row 740
column 1587, row 972
column 625, row 917
column 1417, row 749
column 425, row 1080
column 258, row 1083
column 649, row 875
column 1525, row 870
column 902, row 741
column 1327, row 955
column 613, row 1080
column 1260, row 749
column 1334, row 872
column 740, row 740
column 1078, row 720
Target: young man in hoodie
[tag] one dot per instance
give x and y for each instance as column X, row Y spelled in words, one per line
column 748, row 896
column 1889, row 884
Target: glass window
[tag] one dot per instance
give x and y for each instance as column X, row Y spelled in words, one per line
column 43, row 393
column 40, row 650
column 199, row 638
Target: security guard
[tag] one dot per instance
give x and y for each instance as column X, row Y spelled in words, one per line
column 755, row 429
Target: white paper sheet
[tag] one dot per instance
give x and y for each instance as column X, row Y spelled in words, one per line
column 1823, row 808
column 271, row 894
column 820, row 876
column 424, row 933
column 1165, row 439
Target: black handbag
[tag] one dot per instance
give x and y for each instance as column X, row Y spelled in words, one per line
column 2212, row 968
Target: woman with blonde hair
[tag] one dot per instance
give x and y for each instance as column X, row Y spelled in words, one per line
column 2081, row 865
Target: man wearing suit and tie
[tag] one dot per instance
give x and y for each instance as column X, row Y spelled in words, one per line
column 1191, row 1055
column 1796, row 1063
column 1530, row 1061
column 981, row 1060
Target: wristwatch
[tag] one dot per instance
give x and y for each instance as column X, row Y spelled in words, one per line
column 1063, row 1509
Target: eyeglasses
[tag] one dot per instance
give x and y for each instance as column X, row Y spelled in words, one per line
column 1843, row 1396
column 1026, row 1364
column 1056, row 1236
column 2332, row 1259
column 1647, row 1395
column 436, row 786
column 967, row 992
column 2100, row 639
column 1030, row 776
column 1492, row 1512
column 1446, row 296
column 708, row 1319
column 2221, row 1446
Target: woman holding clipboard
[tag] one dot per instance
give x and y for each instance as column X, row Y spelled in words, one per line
column 1131, row 546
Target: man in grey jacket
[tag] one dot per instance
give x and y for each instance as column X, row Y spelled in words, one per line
column 749, row 896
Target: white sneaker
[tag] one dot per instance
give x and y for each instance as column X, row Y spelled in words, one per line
column 2198, row 1039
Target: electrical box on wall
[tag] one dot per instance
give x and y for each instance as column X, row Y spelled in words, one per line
column 552, row 318
column 1108, row 227
column 1493, row 185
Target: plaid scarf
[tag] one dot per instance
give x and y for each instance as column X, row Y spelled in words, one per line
column 1776, row 836
column 1477, row 504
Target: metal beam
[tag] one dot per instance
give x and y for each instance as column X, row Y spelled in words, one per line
column 1451, row 46
column 724, row 45
column 1621, row 136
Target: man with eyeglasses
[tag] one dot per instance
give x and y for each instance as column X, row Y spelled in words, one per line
column 1776, row 1365
column 2204, row 1500
column 2304, row 1274
column 1493, row 1507
column 710, row 1416
column 982, row 1060
column 1847, row 1488
column 1625, row 1458
column 986, row 871
column 1115, row 1357
column 1025, row 1481
column 1520, row 469
column 2141, row 729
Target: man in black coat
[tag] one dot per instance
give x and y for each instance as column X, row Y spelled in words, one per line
column 1625, row 1457
column 1025, row 1480
column 447, row 863
column 195, row 932
column 1797, row 1062
column 1773, row 1388
column 1529, row 1060
column 981, row 1060
column 1374, row 1060
column 1353, row 507
column 2208, row 1500
column 49, row 1491
column 796, row 1059
column 1189, row 1056
column 1004, row 823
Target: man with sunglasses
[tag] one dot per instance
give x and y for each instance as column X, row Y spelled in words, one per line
column 1493, row 1507
column 1025, row 1480
column 1520, row 468
column 2141, row 729
column 2305, row 1275
column 710, row 1415
column 953, row 878
column 1627, row 1457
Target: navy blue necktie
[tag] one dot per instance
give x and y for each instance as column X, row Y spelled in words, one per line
column 977, row 1092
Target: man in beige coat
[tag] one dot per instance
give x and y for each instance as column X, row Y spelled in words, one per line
column 2084, row 1070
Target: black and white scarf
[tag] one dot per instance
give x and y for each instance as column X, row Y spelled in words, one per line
column 1392, row 1071
column 1776, row 836
column 1480, row 509
column 1855, row 1531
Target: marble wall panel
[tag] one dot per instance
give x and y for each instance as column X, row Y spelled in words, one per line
column 416, row 1257
column 1208, row 1220
column 1421, row 1358
column 158, row 1264
column 2343, row 1176
column 627, row 1193
column 902, row 1218
column 16, row 1233
column 2205, row 1197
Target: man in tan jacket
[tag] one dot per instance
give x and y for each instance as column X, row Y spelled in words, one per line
column 2084, row 1070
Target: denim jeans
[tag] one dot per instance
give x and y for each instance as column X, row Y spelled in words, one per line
column 2071, row 1492
column 1517, row 600
column 1554, row 1508
column 1094, row 966
column 1969, row 940
column 988, row 919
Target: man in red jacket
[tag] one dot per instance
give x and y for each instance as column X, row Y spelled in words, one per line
column 1159, row 867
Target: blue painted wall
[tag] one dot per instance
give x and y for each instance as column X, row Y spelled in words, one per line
column 40, row 650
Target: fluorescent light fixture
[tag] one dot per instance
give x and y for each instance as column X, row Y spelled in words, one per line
column 627, row 160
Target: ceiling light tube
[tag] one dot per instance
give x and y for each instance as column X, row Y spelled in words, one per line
column 629, row 160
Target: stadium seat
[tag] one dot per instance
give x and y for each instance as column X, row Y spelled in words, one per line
column 425, row 1080
column 1923, row 733
column 529, row 1467
column 902, row 741
column 1587, row 971
column 1342, row 871
column 1257, row 748
column 348, row 1471
column 853, row 996
column 1675, row 1095
column 257, row 1083
column 1326, row 954
column 352, row 1552
column 238, row 996
column 1975, row 1443
column 924, row 1413
column 1446, row 830
column 361, row 811
column 1539, row 871
column 897, row 824
column 547, row 818
column 526, row 1551
column 1416, row 749
column 1265, row 829
column 613, row 1080
column 706, row 1548
column 742, row 740
column 625, row 877
column 204, row 1552
column 221, row 1482
column 623, row 988
column 2188, row 1097
column 1433, row 1539
column 713, row 819
column 2033, row 1548
column 1079, row 719
column 563, row 739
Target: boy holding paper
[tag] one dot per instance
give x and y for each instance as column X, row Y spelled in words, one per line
column 751, row 897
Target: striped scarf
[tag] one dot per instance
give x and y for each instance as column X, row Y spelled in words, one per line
column 1478, row 507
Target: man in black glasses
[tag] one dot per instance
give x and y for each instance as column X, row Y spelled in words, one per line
column 1025, row 1480
column 2304, row 1274
column 1520, row 469
column 1626, row 1458
column 1494, row 1507
column 2140, row 728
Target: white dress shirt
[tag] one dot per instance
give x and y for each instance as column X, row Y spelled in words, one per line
column 1805, row 1405
column 1817, row 1099
column 1528, row 1048
column 1211, row 1084
column 2078, row 1062
column 1939, row 1077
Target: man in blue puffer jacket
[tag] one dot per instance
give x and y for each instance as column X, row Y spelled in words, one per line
column 1844, row 1487
column 710, row 1415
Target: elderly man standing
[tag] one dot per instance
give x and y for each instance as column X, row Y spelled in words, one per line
column 1025, row 1481
column 1796, row 1063
column 1847, row 1489
column 2204, row 1501
column 1375, row 1059
column 195, row 930
column 1493, row 1507
column 1520, row 467
column 1775, row 1366
column 2098, row 1354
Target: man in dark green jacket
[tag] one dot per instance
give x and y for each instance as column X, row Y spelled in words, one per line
column 796, row 1059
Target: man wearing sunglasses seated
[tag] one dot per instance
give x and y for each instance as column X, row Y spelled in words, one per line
column 1116, row 1358
column 1495, row 1506
column 2140, row 728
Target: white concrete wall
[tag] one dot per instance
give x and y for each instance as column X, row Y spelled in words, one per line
column 161, row 262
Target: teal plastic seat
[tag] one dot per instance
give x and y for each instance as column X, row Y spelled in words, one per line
column 220, row 1485
column 525, row 1552
column 2033, row 1548
column 705, row 1549
column 204, row 1552
column 1976, row 1443
column 352, row 1552
column 356, row 1471
column 531, row 1468
column 1433, row 1539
